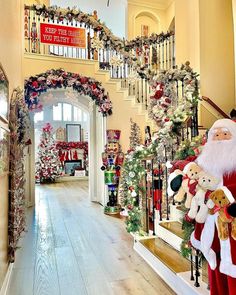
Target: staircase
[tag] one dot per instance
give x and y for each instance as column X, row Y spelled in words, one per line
column 162, row 253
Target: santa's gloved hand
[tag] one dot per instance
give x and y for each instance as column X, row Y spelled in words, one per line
column 232, row 210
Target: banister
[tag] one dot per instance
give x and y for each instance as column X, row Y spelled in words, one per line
column 215, row 106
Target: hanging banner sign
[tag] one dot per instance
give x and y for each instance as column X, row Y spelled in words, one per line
column 62, row 35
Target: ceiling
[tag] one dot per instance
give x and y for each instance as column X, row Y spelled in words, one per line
column 159, row 4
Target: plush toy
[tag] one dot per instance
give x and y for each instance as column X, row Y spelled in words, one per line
column 218, row 203
column 189, row 184
column 206, row 185
column 175, row 178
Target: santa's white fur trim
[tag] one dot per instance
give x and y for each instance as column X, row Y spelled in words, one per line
column 226, row 265
column 207, row 238
column 228, row 193
column 196, row 243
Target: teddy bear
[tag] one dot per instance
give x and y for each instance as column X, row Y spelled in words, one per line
column 189, row 183
column 206, row 185
column 219, row 202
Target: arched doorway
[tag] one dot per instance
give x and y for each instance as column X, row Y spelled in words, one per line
column 146, row 23
column 92, row 95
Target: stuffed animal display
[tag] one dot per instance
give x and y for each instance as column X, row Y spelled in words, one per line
column 189, row 183
column 219, row 202
column 198, row 208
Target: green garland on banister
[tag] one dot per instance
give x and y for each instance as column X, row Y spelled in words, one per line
column 133, row 171
column 185, row 246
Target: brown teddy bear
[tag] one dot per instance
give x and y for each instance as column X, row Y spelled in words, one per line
column 218, row 202
column 189, row 183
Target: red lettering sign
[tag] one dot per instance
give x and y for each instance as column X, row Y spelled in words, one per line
column 62, row 35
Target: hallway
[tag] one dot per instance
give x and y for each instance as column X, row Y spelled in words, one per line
column 72, row 248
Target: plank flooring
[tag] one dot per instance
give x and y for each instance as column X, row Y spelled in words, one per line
column 72, row 248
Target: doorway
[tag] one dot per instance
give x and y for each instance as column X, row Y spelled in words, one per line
column 65, row 110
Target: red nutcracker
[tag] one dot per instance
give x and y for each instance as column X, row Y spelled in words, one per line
column 158, row 183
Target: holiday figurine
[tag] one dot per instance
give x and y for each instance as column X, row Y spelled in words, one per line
column 216, row 237
column 112, row 160
column 34, row 36
column 148, row 138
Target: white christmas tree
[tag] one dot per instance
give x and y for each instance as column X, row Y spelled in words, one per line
column 48, row 165
column 135, row 135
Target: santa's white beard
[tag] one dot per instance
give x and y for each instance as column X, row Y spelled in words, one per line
column 218, row 157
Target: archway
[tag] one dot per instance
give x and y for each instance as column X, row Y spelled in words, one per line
column 146, row 23
column 99, row 103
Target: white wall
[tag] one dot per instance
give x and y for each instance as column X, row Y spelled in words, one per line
column 117, row 22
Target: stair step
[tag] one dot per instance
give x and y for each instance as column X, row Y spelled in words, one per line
column 175, row 227
column 169, row 256
column 169, row 265
column 177, row 212
column 171, row 232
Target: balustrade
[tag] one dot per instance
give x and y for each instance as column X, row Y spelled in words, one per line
column 155, row 54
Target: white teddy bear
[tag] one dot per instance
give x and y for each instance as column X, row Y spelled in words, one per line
column 198, row 209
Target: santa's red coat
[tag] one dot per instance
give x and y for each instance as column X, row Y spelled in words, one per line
column 221, row 255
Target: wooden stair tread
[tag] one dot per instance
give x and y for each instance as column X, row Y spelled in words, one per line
column 175, row 227
column 168, row 255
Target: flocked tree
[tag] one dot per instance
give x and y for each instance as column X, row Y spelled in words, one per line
column 135, row 135
column 48, row 165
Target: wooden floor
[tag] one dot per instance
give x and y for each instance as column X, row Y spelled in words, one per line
column 72, row 248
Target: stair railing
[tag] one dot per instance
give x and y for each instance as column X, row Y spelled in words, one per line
column 215, row 106
column 156, row 52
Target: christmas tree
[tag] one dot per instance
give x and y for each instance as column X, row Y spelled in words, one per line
column 135, row 135
column 48, row 165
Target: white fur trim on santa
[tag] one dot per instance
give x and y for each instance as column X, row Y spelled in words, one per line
column 228, row 193
column 207, row 238
column 196, row 243
column 226, row 265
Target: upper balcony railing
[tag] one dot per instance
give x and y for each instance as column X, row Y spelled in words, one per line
column 55, row 31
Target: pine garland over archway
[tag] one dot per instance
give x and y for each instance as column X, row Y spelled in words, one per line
column 54, row 79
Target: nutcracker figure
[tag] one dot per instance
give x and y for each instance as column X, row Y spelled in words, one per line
column 112, row 160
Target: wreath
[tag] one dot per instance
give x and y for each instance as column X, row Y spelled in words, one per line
column 165, row 104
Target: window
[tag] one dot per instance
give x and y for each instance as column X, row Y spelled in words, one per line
column 38, row 117
column 57, row 112
column 67, row 109
column 77, row 114
column 85, row 117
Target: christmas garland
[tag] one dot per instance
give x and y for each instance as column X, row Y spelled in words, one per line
column 59, row 78
column 160, row 148
column 165, row 105
column 109, row 40
column 19, row 138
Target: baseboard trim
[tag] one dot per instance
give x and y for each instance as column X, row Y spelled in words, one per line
column 6, row 282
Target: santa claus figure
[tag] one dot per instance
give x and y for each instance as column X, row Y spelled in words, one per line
column 218, row 158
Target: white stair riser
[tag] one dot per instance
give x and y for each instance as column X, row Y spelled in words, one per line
column 176, row 214
column 168, row 237
column 175, row 281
